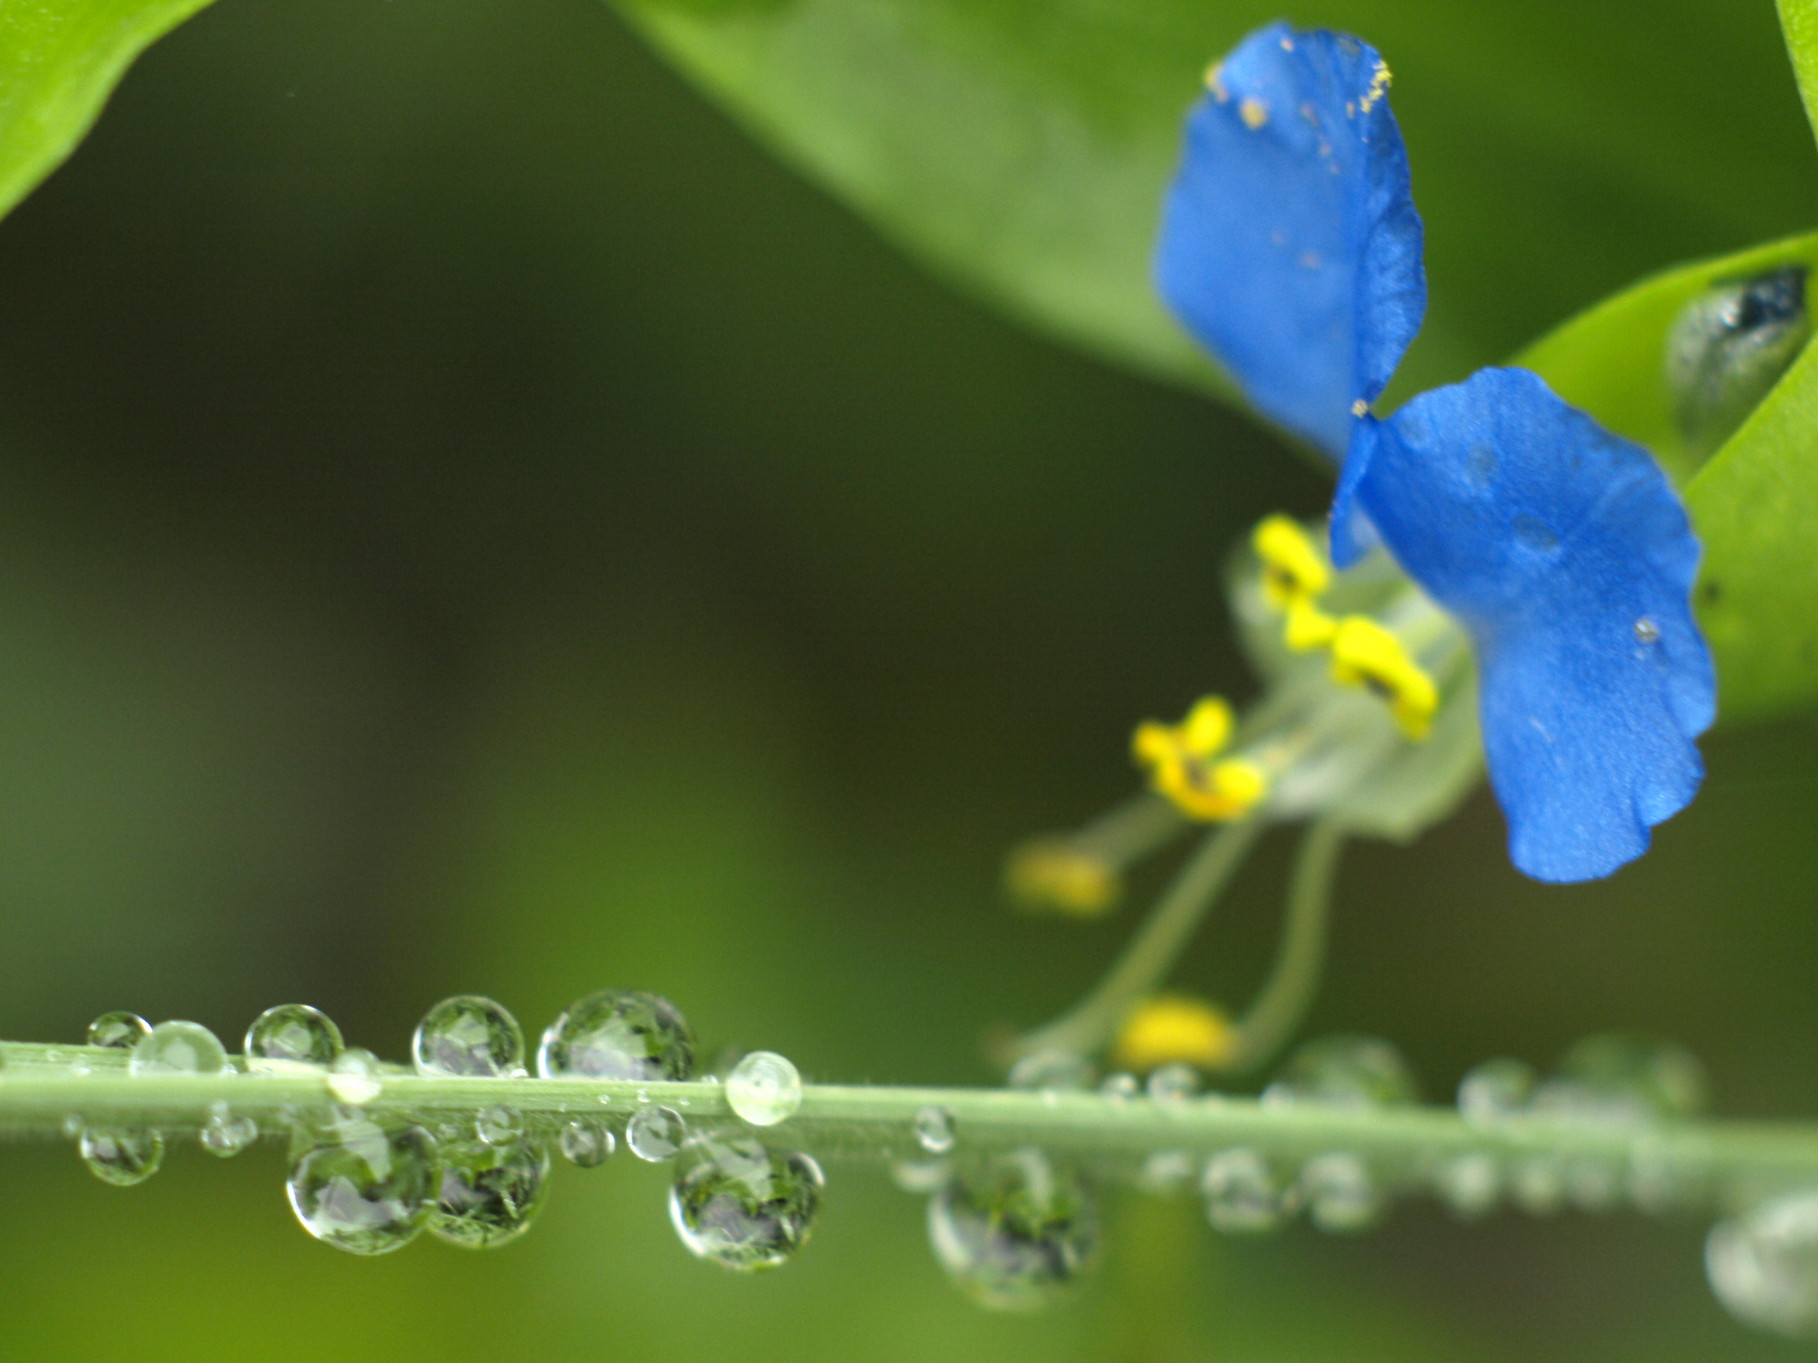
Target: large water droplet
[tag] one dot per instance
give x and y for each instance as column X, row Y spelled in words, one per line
column 1617, row 1079
column 742, row 1205
column 1243, row 1194
column 177, row 1048
column 1468, row 1183
column 587, row 1145
column 1344, row 1071
column 119, row 1031
column 468, row 1036
column 1763, row 1265
column 291, row 1037
column 1052, row 1072
column 488, row 1194
column 224, row 1134
column 1174, row 1083
column 1014, row 1231
column 121, row 1155
column 764, row 1088
column 618, row 1034
column 1495, row 1091
column 1120, row 1087
column 655, row 1133
column 368, row 1190
column 933, row 1128
column 353, row 1077
column 1728, row 347
column 1342, row 1194
column 498, row 1124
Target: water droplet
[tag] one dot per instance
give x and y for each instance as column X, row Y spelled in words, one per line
column 1342, row 1195
column 934, row 1130
column 1646, row 631
column 1495, row 1091
column 121, row 1155
column 498, row 1125
column 353, row 1077
column 1468, row 1183
column 1593, row 1184
column 1617, row 1079
column 743, row 1206
column 921, row 1175
column 1014, row 1231
column 1052, row 1072
column 468, row 1036
column 369, row 1190
column 1728, row 347
column 488, row 1194
column 292, row 1037
column 1174, row 1083
column 177, row 1048
column 618, row 1034
column 118, row 1031
column 764, row 1088
column 1763, row 1265
column 1344, row 1071
column 655, row 1133
column 1243, row 1195
column 226, row 1135
column 587, row 1144
column 1537, row 1185
column 1120, row 1087
column 1165, row 1172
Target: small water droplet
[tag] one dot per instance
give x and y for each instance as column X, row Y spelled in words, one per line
column 764, row 1088
column 587, row 1144
column 118, row 1031
column 1495, row 1091
column 292, row 1037
column 1243, row 1194
column 1537, row 1185
column 1120, row 1087
column 1174, row 1083
column 498, row 1125
column 121, row 1155
column 1646, row 631
column 1052, row 1072
column 1165, row 1172
column 1763, row 1265
column 224, row 1134
column 921, row 1175
column 1616, row 1079
column 1593, row 1184
column 177, row 1048
column 934, row 1130
column 1015, row 1231
column 1344, row 1071
column 368, row 1190
column 487, row 1195
column 743, row 1206
column 1342, row 1195
column 618, row 1034
column 1468, row 1183
column 655, row 1133
column 468, row 1036
column 353, row 1077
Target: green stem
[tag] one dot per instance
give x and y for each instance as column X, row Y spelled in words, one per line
column 1283, row 1002
column 1152, row 953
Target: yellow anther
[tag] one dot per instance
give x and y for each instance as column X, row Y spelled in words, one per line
column 1178, row 757
column 1173, row 1029
column 1366, row 654
column 1059, row 874
column 1293, row 567
column 1308, row 626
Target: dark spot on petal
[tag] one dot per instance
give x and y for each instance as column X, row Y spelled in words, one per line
column 1535, row 533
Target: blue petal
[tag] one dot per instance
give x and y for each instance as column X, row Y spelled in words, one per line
column 1290, row 246
column 1565, row 553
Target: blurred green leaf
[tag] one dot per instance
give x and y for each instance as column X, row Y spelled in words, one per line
column 1799, row 21
column 59, row 61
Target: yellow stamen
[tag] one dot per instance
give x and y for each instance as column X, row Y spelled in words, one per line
column 1366, row 654
column 1178, row 758
column 1292, row 564
column 1056, row 873
column 1174, row 1028
column 1308, row 626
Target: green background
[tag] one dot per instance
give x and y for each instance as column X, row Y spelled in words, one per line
column 470, row 521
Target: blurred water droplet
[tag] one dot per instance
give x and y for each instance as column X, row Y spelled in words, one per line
column 292, row 1037
column 1656, row 1182
column 118, row 1031
column 121, row 1155
column 921, row 1175
column 743, row 1206
column 1243, row 1194
column 1593, row 1184
column 1342, row 1194
column 1537, row 1185
column 1763, row 1265
column 1617, row 1079
column 498, row 1125
column 1469, row 1183
column 487, row 1195
column 177, row 1048
column 1496, row 1091
column 618, row 1034
column 934, row 1130
column 655, row 1133
column 468, row 1036
column 368, row 1190
column 1344, row 1071
column 1174, row 1083
column 1014, row 1231
column 224, row 1134
column 1165, row 1172
column 587, row 1144
column 1120, row 1087
column 353, row 1077
column 764, row 1088
column 1727, row 348
column 1052, row 1072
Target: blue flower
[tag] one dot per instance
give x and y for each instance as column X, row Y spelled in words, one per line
column 1291, row 249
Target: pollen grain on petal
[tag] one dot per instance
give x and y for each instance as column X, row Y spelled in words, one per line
column 1253, row 112
column 1215, row 82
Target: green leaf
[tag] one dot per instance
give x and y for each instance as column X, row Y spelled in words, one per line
column 59, row 61
column 1754, row 503
column 1020, row 147
column 1799, row 22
